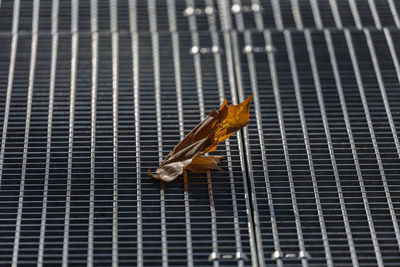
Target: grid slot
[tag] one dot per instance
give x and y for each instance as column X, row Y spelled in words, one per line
column 46, row 15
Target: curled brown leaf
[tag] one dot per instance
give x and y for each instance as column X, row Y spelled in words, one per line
column 204, row 138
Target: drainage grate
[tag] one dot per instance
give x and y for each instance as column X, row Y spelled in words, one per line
column 94, row 93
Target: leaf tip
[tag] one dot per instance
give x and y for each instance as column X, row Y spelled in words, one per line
column 248, row 99
column 223, row 105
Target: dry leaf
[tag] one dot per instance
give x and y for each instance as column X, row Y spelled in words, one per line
column 204, row 138
column 205, row 163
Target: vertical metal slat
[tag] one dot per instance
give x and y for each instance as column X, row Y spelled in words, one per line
column 336, row 14
column 156, row 68
column 297, row 14
column 136, row 96
column 258, row 17
column 355, row 13
column 32, row 68
column 54, row 47
column 93, row 123
column 214, row 234
column 115, row 89
column 316, row 14
column 375, row 14
column 14, row 44
column 196, row 56
column 238, row 16
column 394, row 12
column 277, row 14
column 74, row 63
column 393, row 53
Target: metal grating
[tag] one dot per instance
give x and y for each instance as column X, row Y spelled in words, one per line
column 94, row 93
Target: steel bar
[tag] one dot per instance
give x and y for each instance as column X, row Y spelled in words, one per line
column 74, row 59
column 32, row 68
column 54, row 45
column 157, row 87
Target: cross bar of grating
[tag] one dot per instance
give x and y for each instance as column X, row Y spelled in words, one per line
column 94, row 93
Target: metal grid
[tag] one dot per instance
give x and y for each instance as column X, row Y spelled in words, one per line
column 94, row 93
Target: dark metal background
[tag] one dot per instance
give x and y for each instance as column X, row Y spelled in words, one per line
column 94, row 93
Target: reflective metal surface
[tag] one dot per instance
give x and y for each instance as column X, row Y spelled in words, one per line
column 94, row 93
